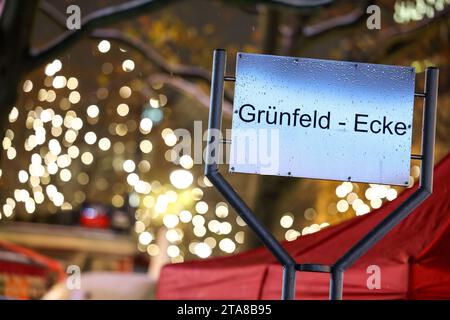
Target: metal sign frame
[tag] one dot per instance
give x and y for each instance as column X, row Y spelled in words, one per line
column 290, row 266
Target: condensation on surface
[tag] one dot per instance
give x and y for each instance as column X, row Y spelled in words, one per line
column 341, row 88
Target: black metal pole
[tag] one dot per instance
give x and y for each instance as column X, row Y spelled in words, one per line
column 211, row 171
column 289, row 275
column 215, row 111
column 336, row 284
column 429, row 127
column 250, row 219
column 424, row 190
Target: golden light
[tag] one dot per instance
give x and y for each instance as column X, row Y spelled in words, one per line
column 92, row 111
column 11, row 153
column 123, row 109
column 87, row 158
column 173, row 251
column 53, row 67
column 139, row 226
column 146, row 125
column 27, row 86
column 202, row 250
column 170, row 139
column 186, row 161
column 129, row 166
column 128, row 65
column 57, row 121
column 144, row 166
column 76, row 124
column 142, row 187
column 352, row 197
column 286, row 221
column 185, row 216
column 240, row 221
column 211, row 242
column 132, row 179
column 145, row 238
column 174, row 235
column 65, row 175
column 72, row 83
column 342, row 205
column 376, row 203
column 83, row 178
column 170, row 220
column 221, row 210
column 227, row 245
column 214, row 226
column 104, row 144
column 23, row 176
column 310, row 214
column 146, row 146
column 74, row 97
column 59, row 82
column 117, row 201
column 104, row 46
column 73, row 152
column 225, row 228
column 52, row 168
column 391, row 194
column 63, row 161
column 240, row 237
column 125, row 92
column 199, row 231
column 153, row 250
column 90, row 137
column 181, row 179
column 291, row 235
column 154, row 103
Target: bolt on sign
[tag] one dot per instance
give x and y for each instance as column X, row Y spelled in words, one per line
column 322, row 119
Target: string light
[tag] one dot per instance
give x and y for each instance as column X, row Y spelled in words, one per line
column 64, row 133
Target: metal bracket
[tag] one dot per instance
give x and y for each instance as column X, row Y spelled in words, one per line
column 290, row 267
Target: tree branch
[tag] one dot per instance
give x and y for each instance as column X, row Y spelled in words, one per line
column 190, row 89
column 345, row 20
column 152, row 55
column 93, row 20
column 53, row 13
column 141, row 46
column 391, row 37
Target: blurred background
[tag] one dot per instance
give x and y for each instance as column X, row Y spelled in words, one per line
column 88, row 174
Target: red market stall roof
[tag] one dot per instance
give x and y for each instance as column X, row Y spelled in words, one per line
column 413, row 259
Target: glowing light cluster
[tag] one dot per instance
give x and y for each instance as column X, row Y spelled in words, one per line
column 65, row 141
column 407, row 11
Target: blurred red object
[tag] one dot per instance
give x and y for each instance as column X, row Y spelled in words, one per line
column 25, row 274
column 95, row 216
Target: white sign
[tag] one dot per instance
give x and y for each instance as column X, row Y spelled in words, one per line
column 322, row 119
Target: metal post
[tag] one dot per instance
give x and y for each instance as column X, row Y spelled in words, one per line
column 215, row 111
column 288, row 289
column 429, row 128
column 336, row 284
column 211, row 171
column 424, row 190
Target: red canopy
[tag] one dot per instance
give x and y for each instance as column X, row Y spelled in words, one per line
column 26, row 274
column 414, row 259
